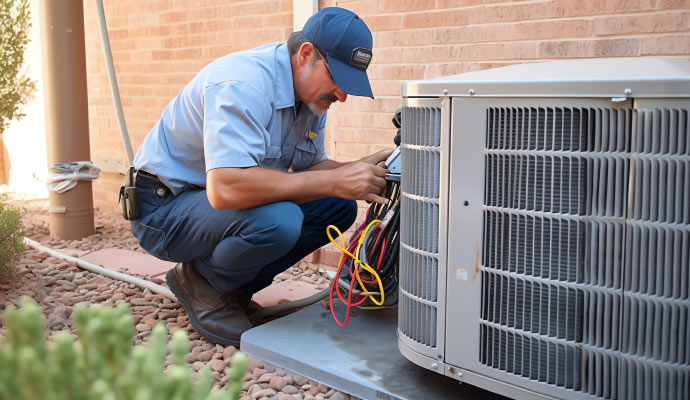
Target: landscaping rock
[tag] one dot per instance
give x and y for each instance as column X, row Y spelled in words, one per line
column 300, row 380
column 289, row 389
column 59, row 285
column 277, row 383
column 217, row 365
column 264, row 393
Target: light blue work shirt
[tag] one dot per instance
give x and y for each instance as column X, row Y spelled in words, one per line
column 239, row 111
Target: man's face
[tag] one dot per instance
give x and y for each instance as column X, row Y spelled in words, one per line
column 314, row 85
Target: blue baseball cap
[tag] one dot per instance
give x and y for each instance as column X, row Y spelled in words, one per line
column 345, row 40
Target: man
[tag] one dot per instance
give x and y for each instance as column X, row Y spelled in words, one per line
column 233, row 182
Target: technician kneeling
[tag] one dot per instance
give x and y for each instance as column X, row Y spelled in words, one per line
column 233, row 182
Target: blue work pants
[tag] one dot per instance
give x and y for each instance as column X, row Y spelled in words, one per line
column 234, row 249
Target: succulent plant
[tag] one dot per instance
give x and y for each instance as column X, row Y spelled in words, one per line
column 11, row 239
column 101, row 363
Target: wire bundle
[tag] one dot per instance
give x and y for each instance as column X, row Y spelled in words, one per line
column 370, row 260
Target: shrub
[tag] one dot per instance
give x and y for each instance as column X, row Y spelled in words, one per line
column 102, row 364
column 11, row 240
column 15, row 87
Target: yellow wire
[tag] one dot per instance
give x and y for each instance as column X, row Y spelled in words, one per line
column 375, row 308
column 355, row 257
column 358, row 263
column 366, row 266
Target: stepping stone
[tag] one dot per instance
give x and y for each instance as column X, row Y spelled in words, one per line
column 129, row 261
column 283, row 292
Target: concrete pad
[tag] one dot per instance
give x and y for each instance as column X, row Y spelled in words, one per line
column 361, row 359
column 130, row 261
column 283, row 292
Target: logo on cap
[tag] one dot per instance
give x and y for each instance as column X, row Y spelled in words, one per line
column 360, row 58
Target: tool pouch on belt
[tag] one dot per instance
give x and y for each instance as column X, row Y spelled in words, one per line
column 128, row 197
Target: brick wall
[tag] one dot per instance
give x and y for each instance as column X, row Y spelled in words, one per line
column 158, row 45
column 419, row 39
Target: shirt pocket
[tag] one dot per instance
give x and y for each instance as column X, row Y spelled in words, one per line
column 305, row 154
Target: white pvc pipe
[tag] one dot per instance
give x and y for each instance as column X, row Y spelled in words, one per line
column 104, row 271
column 265, row 312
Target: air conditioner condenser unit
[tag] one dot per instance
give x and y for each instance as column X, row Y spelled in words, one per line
column 545, row 228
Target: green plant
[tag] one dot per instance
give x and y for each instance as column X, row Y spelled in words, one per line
column 103, row 364
column 15, row 87
column 11, row 240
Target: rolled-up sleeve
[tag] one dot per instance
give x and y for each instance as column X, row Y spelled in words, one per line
column 236, row 117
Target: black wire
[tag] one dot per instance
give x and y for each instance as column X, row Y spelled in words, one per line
column 373, row 247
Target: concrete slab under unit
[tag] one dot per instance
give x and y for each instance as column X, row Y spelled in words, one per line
column 361, row 358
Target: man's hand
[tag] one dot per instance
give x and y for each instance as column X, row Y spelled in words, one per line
column 377, row 157
column 360, row 180
column 363, row 179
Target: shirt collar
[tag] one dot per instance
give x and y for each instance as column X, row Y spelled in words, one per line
column 285, row 90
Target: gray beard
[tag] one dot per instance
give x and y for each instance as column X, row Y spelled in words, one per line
column 315, row 110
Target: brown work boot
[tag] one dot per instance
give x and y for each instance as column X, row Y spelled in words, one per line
column 217, row 317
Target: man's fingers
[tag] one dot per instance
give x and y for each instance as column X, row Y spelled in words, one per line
column 377, row 157
column 385, row 153
column 364, row 182
column 382, row 155
column 380, row 184
column 379, row 171
column 376, row 199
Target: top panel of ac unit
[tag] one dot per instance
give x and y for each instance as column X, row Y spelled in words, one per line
column 638, row 77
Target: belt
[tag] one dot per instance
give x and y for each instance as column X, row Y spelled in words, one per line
column 148, row 177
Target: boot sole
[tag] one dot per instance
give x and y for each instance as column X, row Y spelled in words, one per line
column 210, row 336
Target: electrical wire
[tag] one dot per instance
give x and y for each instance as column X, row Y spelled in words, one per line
column 367, row 275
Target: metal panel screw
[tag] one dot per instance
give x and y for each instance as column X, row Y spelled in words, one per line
column 459, row 374
column 434, row 365
column 627, row 92
column 466, row 203
column 471, row 92
column 445, row 92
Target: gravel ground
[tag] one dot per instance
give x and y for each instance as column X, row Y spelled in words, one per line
column 58, row 286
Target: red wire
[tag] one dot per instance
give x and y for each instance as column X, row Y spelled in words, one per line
column 378, row 237
column 352, row 283
column 354, row 244
column 352, row 275
column 349, row 304
column 383, row 250
column 352, row 279
column 376, row 243
column 330, row 300
column 334, row 284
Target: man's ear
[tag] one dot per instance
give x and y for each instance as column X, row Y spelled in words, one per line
column 305, row 53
